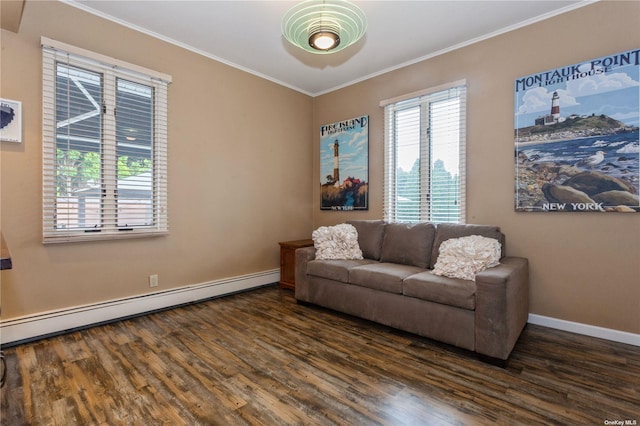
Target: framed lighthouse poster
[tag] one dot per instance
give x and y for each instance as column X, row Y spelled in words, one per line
column 576, row 137
column 344, row 165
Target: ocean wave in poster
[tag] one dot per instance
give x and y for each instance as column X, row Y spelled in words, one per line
column 631, row 148
column 614, row 155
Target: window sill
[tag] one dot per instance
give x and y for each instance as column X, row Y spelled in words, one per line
column 76, row 237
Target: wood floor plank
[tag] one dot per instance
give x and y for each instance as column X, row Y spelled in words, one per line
column 258, row 358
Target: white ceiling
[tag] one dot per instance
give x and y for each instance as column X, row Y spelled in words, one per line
column 247, row 34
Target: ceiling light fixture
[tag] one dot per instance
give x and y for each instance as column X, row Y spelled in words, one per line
column 324, row 26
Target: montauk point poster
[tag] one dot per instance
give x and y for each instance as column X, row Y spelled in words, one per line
column 576, row 137
column 344, row 165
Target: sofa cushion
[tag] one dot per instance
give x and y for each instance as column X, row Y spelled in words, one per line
column 382, row 276
column 446, row 231
column 408, row 244
column 370, row 233
column 464, row 257
column 444, row 290
column 337, row 270
column 336, row 242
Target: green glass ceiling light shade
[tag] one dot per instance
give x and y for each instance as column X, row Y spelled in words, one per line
column 324, row 26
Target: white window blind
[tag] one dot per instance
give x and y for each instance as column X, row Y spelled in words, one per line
column 424, row 178
column 104, row 147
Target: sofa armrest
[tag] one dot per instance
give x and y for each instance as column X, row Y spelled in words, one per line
column 303, row 256
column 502, row 306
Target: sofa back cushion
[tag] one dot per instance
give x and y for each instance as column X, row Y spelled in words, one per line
column 370, row 233
column 408, row 244
column 445, row 231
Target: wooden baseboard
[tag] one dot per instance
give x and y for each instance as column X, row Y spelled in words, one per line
column 32, row 327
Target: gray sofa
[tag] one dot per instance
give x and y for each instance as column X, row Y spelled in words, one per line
column 393, row 285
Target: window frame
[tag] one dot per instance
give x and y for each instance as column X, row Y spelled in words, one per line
column 111, row 71
column 422, row 99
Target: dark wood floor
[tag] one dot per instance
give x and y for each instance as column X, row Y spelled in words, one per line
column 259, row 358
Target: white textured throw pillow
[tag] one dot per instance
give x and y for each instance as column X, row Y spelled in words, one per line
column 466, row 256
column 336, row 242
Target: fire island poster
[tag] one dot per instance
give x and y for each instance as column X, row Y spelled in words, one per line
column 344, row 165
column 576, row 137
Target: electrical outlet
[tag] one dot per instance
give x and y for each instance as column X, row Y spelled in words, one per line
column 153, row 280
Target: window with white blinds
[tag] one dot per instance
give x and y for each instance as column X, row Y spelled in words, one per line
column 424, row 178
column 104, row 147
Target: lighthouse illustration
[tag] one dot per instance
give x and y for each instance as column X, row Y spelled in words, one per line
column 554, row 117
column 555, row 106
column 336, row 163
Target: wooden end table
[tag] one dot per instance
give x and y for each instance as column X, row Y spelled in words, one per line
column 288, row 261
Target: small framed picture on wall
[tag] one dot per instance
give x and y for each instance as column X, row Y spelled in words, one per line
column 10, row 120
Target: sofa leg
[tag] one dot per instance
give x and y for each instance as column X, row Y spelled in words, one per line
column 497, row 362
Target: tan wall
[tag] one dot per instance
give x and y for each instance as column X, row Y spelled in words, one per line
column 239, row 172
column 585, row 267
